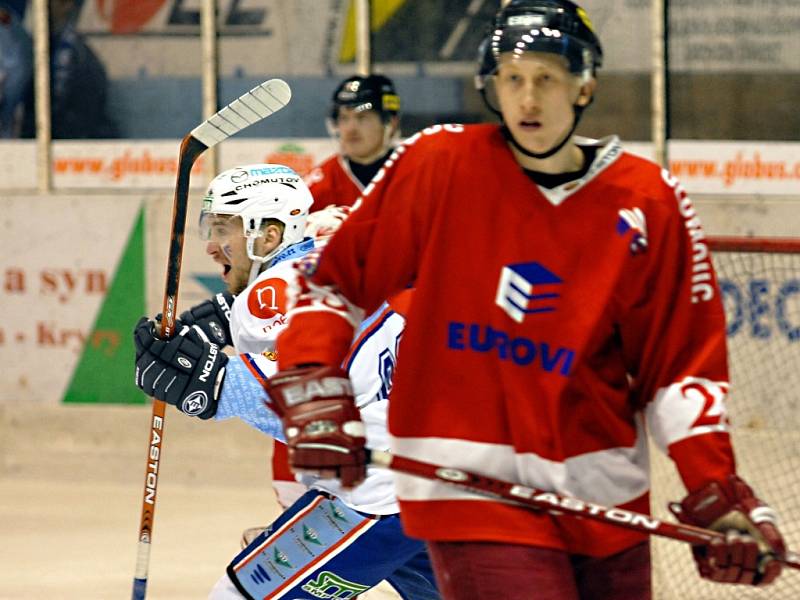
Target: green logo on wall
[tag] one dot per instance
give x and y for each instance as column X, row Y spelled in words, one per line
column 104, row 373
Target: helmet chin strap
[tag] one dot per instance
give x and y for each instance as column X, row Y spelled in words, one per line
column 577, row 111
column 388, row 135
column 259, row 263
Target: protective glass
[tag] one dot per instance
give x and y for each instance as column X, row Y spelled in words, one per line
column 514, row 43
column 219, row 229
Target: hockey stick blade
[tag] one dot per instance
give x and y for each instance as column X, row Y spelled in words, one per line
column 250, row 108
column 532, row 498
column 259, row 103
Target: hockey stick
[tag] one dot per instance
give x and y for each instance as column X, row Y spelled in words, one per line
column 542, row 500
column 259, row 103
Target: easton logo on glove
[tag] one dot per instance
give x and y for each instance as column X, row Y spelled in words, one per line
column 223, row 302
column 327, row 387
column 213, row 352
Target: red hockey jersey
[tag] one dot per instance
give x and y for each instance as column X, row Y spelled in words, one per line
column 332, row 182
column 550, row 328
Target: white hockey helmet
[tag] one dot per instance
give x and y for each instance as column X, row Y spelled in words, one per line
column 256, row 193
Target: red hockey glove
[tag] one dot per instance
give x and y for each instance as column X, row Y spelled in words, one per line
column 323, row 427
column 752, row 540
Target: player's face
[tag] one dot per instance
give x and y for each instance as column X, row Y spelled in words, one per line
column 537, row 93
column 227, row 245
column 361, row 134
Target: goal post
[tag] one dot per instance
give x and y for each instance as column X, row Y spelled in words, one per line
column 759, row 280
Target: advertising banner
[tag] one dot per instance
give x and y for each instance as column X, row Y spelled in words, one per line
column 742, row 168
column 72, row 287
column 145, row 164
column 77, row 271
column 714, row 168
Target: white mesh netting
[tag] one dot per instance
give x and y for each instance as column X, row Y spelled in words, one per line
column 761, row 292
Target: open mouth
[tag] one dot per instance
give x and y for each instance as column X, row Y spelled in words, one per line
column 530, row 125
column 225, row 270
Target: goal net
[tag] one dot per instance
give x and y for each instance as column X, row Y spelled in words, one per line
column 760, row 284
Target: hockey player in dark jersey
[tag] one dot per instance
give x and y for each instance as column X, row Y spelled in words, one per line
column 365, row 120
column 565, row 311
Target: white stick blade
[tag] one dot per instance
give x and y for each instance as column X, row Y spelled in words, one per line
column 260, row 102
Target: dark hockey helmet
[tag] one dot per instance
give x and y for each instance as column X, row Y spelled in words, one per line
column 373, row 92
column 557, row 26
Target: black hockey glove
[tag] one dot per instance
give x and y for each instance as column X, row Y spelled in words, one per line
column 213, row 317
column 186, row 371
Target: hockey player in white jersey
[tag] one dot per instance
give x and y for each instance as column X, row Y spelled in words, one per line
column 332, row 542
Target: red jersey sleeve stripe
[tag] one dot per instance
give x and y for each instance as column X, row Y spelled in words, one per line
column 251, row 365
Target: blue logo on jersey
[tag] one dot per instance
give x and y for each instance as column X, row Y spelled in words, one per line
column 386, row 364
column 526, row 288
column 272, row 171
column 260, row 575
column 520, row 350
column 632, row 220
column 296, row 250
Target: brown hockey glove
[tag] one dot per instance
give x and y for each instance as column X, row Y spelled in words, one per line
column 323, row 427
column 752, row 540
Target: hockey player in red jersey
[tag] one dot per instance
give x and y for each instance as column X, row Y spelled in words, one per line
column 365, row 120
column 565, row 306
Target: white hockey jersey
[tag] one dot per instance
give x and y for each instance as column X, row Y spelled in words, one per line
column 257, row 317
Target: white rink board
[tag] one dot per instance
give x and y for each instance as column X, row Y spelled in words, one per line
column 59, row 259
column 61, row 244
column 710, row 168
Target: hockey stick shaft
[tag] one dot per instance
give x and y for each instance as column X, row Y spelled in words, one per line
column 532, row 498
column 191, row 148
column 253, row 106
